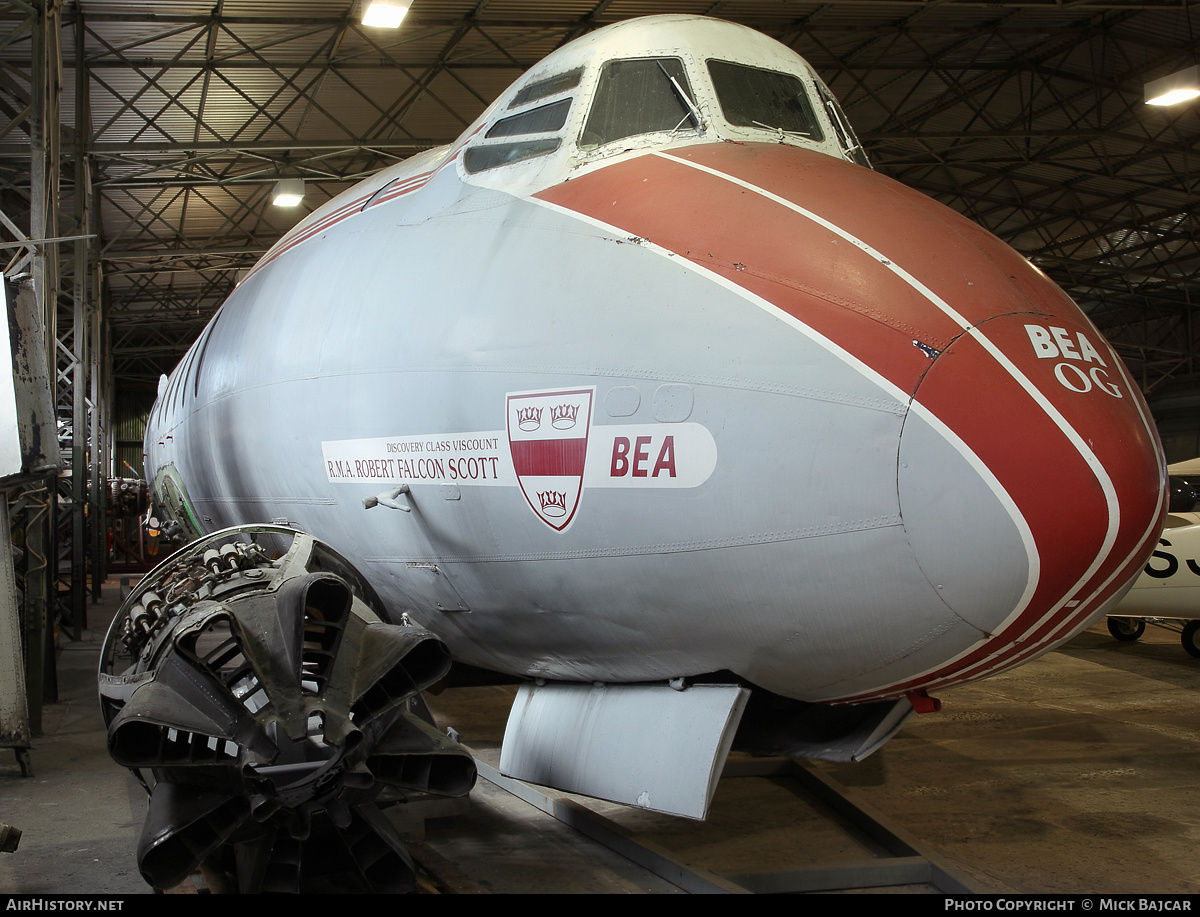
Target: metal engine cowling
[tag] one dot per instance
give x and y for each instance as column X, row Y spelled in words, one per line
column 254, row 685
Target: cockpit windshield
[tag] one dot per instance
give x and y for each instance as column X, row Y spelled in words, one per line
column 641, row 102
column 640, row 96
column 752, row 97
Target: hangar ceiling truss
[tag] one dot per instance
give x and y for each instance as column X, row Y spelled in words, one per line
column 1026, row 116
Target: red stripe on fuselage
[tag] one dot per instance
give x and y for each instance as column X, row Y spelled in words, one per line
column 304, row 232
column 860, row 304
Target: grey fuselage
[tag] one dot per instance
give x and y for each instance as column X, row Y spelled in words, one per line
column 740, row 489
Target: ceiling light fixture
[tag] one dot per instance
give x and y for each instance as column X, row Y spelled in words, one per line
column 1178, row 87
column 385, row 14
column 288, row 192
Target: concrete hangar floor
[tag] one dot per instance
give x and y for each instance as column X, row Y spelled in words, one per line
column 1076, row 773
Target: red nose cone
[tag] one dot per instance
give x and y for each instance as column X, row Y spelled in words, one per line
column 941, row 312
column 1068, row 439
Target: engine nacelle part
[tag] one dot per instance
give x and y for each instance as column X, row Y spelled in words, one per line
column 255, row 685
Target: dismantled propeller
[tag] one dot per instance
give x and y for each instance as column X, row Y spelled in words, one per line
column 254, row 685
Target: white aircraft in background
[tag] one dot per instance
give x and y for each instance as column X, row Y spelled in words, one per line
column 649, row 392
column 1168, row 590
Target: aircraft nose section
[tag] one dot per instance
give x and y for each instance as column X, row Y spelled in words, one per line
column 1049, row 488
column 1029, row 477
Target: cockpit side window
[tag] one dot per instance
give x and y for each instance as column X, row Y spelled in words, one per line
column 639, row 96
column 481, row 158
column 752, row 97
column 551, row 85
column 545, row 119
column 535, row 121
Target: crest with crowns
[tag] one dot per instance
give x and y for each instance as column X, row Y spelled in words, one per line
column 548, row 438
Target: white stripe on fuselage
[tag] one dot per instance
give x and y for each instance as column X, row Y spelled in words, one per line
column 894, row 391
column 976, row 463
column 1072, row 435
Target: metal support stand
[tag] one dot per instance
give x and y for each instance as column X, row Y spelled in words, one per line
column 14, row 712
